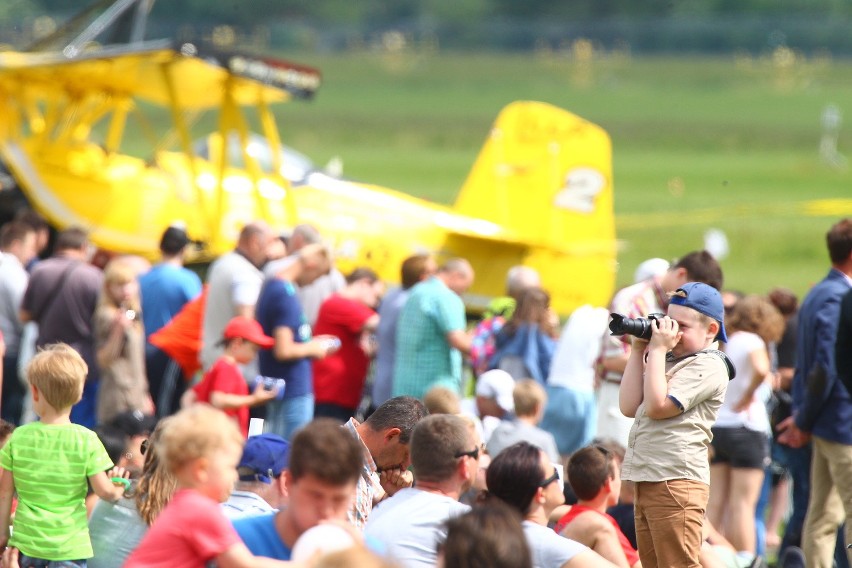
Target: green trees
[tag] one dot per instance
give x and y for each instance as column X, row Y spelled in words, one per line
column 649, row 25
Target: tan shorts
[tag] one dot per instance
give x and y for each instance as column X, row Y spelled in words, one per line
column 669, row 516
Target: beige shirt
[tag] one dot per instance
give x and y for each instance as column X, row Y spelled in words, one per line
column 123, row 384
column 678, row 447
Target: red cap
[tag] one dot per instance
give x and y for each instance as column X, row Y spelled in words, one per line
column 248, row 329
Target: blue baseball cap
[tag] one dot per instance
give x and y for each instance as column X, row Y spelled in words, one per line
column 703, row 299
column 266, row 455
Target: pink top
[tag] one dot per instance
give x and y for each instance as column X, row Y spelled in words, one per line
column 190, row 532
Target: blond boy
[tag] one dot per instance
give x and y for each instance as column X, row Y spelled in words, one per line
column 529, row 399
column 201, row 447
column 442, row 400
column 674, row 385
column 48, row 463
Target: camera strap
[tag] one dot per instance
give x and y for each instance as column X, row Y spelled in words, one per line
column 732, row 371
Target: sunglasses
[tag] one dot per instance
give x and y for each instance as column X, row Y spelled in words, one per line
column 551, row 479
column 474, row 453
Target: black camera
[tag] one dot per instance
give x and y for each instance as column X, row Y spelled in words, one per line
column 640, row 327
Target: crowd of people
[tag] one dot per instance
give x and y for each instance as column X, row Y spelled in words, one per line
column 279, row 412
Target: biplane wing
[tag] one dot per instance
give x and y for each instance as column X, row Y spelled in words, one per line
column 63, row 122
column 162, row 73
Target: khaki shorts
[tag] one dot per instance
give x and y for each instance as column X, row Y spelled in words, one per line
column 669, row 517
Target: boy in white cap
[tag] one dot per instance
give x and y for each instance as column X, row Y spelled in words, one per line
column 494, row 400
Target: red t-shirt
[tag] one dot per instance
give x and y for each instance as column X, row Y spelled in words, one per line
column 226, row 377
column 190, row 532
column 629, row 551
column 339, row 378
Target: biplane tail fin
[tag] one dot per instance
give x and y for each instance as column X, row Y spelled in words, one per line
column 546, row 175
column 543, row 172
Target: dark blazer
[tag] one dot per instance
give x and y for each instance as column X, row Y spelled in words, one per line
column 821, row 404
column 843, row 346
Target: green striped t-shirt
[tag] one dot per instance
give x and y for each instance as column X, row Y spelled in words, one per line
column 50, row 464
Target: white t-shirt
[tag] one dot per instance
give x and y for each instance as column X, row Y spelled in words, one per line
column 233, row 281
column 579, row 346
column 13, row 284
column 740, row 346
column 411, row 524
column 550, row 550
column 513, row 431
column 245, row 504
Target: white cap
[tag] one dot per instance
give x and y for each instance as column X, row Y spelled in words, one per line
column 497, row 384
column 649, row 268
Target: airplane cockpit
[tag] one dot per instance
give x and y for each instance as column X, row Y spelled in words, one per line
column 295, row 167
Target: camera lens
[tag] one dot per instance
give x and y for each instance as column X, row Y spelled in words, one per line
column 638, row 327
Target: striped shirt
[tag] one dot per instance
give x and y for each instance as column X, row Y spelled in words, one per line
column 50, row 464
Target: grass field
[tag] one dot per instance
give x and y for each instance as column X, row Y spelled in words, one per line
column 728, row 143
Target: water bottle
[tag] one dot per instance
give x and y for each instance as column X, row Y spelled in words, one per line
column 270, row 383
column 331, row 344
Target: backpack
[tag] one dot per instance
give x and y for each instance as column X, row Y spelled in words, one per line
column 484, row 343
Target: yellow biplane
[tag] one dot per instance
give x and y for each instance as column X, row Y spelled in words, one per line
column 539, row 194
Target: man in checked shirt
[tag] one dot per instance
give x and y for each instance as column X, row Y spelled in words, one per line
column 385, row 437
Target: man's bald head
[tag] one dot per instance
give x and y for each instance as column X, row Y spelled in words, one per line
column 253, row 241
column 304, row 235
column 519, row 278
column 457, row 274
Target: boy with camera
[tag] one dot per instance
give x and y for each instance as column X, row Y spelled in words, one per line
column 674, row 385
column 642, row 298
